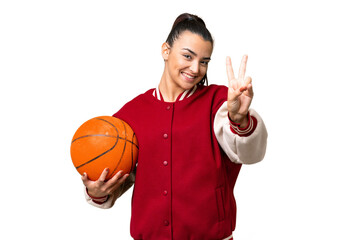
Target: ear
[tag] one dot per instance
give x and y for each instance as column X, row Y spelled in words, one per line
column 165, row 50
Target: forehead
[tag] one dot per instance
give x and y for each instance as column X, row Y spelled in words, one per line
column 193, row 42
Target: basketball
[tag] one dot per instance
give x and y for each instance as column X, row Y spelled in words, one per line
column 104, row 142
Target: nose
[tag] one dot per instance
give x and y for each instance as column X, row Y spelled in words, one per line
column 195, row 66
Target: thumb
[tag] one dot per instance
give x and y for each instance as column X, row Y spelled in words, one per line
column 85, row 178
column 234, row 90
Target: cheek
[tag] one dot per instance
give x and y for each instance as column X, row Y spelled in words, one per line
column 182, row 63
column 203, row 71
column 178, row 65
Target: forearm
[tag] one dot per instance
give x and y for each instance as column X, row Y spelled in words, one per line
column 242, row 145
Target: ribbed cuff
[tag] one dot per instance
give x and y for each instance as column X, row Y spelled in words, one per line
column 246, row 131
column 98, row 200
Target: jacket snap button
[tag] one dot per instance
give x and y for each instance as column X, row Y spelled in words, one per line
column 166, row 223
column 165, row 192
column 165, row 136
column 168, row 108
column 165, row 163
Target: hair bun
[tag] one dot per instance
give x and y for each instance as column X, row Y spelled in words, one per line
column 188, row 17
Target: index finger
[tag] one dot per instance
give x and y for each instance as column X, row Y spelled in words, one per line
column 103, row 175
column 242, row 69
column 229, row 69
column 115, row 178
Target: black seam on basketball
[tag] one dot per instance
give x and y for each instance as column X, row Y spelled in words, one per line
column 122, row 154
column 102, row 135
column 132, row 152
column 93, row 135
column 117, row 139
column 132, row 141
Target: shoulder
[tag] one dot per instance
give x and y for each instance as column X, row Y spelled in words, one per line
column 213, row 90
column 133, row 104
column 141, row 98
column 214, row 94
column 216, row 90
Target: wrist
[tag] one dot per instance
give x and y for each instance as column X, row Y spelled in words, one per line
column 97, row 199
column 240, row 120
column 250, row 127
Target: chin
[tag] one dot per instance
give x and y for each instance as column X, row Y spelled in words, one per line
column 187, row 85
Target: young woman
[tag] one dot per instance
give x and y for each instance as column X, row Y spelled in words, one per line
column 193, row 140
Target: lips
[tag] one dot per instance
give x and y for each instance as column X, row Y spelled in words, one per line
column 187, row 76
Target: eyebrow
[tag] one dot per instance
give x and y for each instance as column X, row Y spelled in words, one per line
column 192, row 52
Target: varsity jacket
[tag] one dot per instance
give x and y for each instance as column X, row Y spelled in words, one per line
column 190, row 155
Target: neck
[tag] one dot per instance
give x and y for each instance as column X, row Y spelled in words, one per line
column 169, row 91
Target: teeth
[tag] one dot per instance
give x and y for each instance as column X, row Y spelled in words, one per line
column 187, row 75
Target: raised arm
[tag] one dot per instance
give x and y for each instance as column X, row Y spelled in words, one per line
column 240, row 130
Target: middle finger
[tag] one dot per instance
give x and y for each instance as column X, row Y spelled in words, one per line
column 242, row 69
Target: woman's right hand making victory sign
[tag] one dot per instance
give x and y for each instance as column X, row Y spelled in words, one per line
column 240, row 93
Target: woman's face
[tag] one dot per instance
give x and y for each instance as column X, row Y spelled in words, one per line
column 186, row 62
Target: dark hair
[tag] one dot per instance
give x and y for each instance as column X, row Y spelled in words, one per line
column 194, row 24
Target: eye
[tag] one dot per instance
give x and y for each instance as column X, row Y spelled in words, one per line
column 205, row 63
column 187, row 56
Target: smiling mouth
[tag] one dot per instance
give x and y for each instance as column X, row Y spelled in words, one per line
column 188, row 77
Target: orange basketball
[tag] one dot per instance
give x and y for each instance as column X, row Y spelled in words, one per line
column 104, row 142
